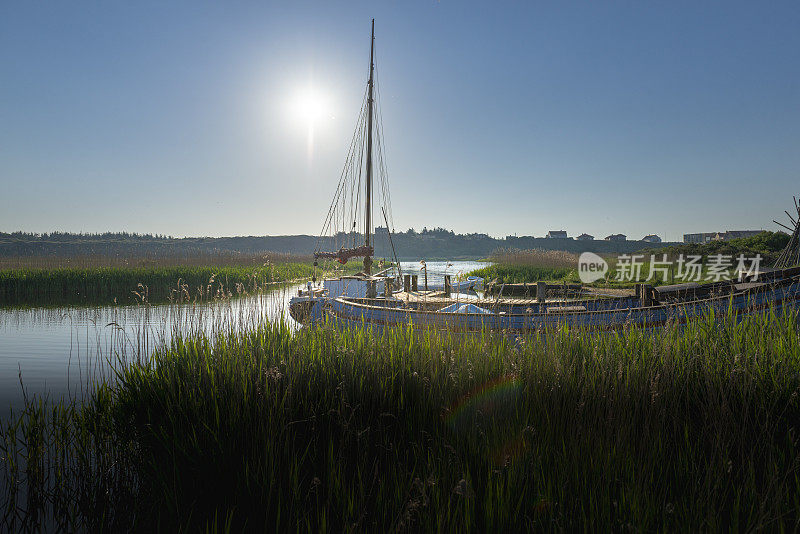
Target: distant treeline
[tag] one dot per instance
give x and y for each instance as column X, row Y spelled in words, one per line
column 429, row 244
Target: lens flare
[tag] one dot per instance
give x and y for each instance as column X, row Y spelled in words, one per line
column 488, row 398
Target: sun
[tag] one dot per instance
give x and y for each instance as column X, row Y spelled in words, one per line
column 310, row 106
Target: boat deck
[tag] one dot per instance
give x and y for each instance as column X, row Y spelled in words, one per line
column 438, row 298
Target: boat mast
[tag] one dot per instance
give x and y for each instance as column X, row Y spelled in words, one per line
column 368, row 210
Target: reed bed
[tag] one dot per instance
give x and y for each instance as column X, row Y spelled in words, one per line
column 518, row 274
column 522, row 266
column 215, row 259
column 554, row 259
column 109, row 285
column 151, row 280
column 266, row 428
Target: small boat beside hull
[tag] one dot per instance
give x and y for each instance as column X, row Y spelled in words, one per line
column 302, row 309
column 302, row 306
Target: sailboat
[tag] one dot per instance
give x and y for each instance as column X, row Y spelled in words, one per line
column 767, row 291
column 770, row 290
column 368, row 299
column 364, row 161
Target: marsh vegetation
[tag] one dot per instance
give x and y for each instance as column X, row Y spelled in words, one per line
column 262, row 427
column 126, row 280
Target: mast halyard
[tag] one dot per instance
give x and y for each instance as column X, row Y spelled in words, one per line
column 368, row 196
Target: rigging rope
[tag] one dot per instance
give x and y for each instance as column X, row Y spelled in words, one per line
column 344, row 223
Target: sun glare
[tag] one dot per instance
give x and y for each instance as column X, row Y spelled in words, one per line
column 309, row 110
column 310, row 106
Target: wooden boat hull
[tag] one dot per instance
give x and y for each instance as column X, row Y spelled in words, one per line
column 345, row 313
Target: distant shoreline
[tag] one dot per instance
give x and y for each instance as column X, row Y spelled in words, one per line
column 433, row 245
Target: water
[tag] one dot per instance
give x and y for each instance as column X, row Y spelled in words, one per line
column 53, row 350
column 437, row 269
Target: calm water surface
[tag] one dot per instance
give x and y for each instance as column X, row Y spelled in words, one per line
column 437, row 269
column 52, row 351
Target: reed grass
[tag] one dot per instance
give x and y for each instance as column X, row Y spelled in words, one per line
column 522, row 266
column 146, row 279
column 554, row 259
column 195, row 259
column 518, row 274
column 266, row 428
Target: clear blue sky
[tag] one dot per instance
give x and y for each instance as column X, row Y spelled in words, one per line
column 598, row 117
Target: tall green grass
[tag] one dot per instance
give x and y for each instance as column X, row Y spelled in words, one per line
column 518, row 274
column 318, row 430
column 126, row 285
column 183, row 258
column 523, row 266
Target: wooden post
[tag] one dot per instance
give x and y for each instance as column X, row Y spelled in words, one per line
column 387, row 287
column 541, row 291
column 447, row 288
column 499, row 294
column 646, row 294
column 407, row 283
column 372, row 292
column 426, row 278
column 414, row 283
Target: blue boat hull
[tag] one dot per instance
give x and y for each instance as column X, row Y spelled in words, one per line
column 609, row 314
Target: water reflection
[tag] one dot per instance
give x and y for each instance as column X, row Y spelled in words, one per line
column 56, row 351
